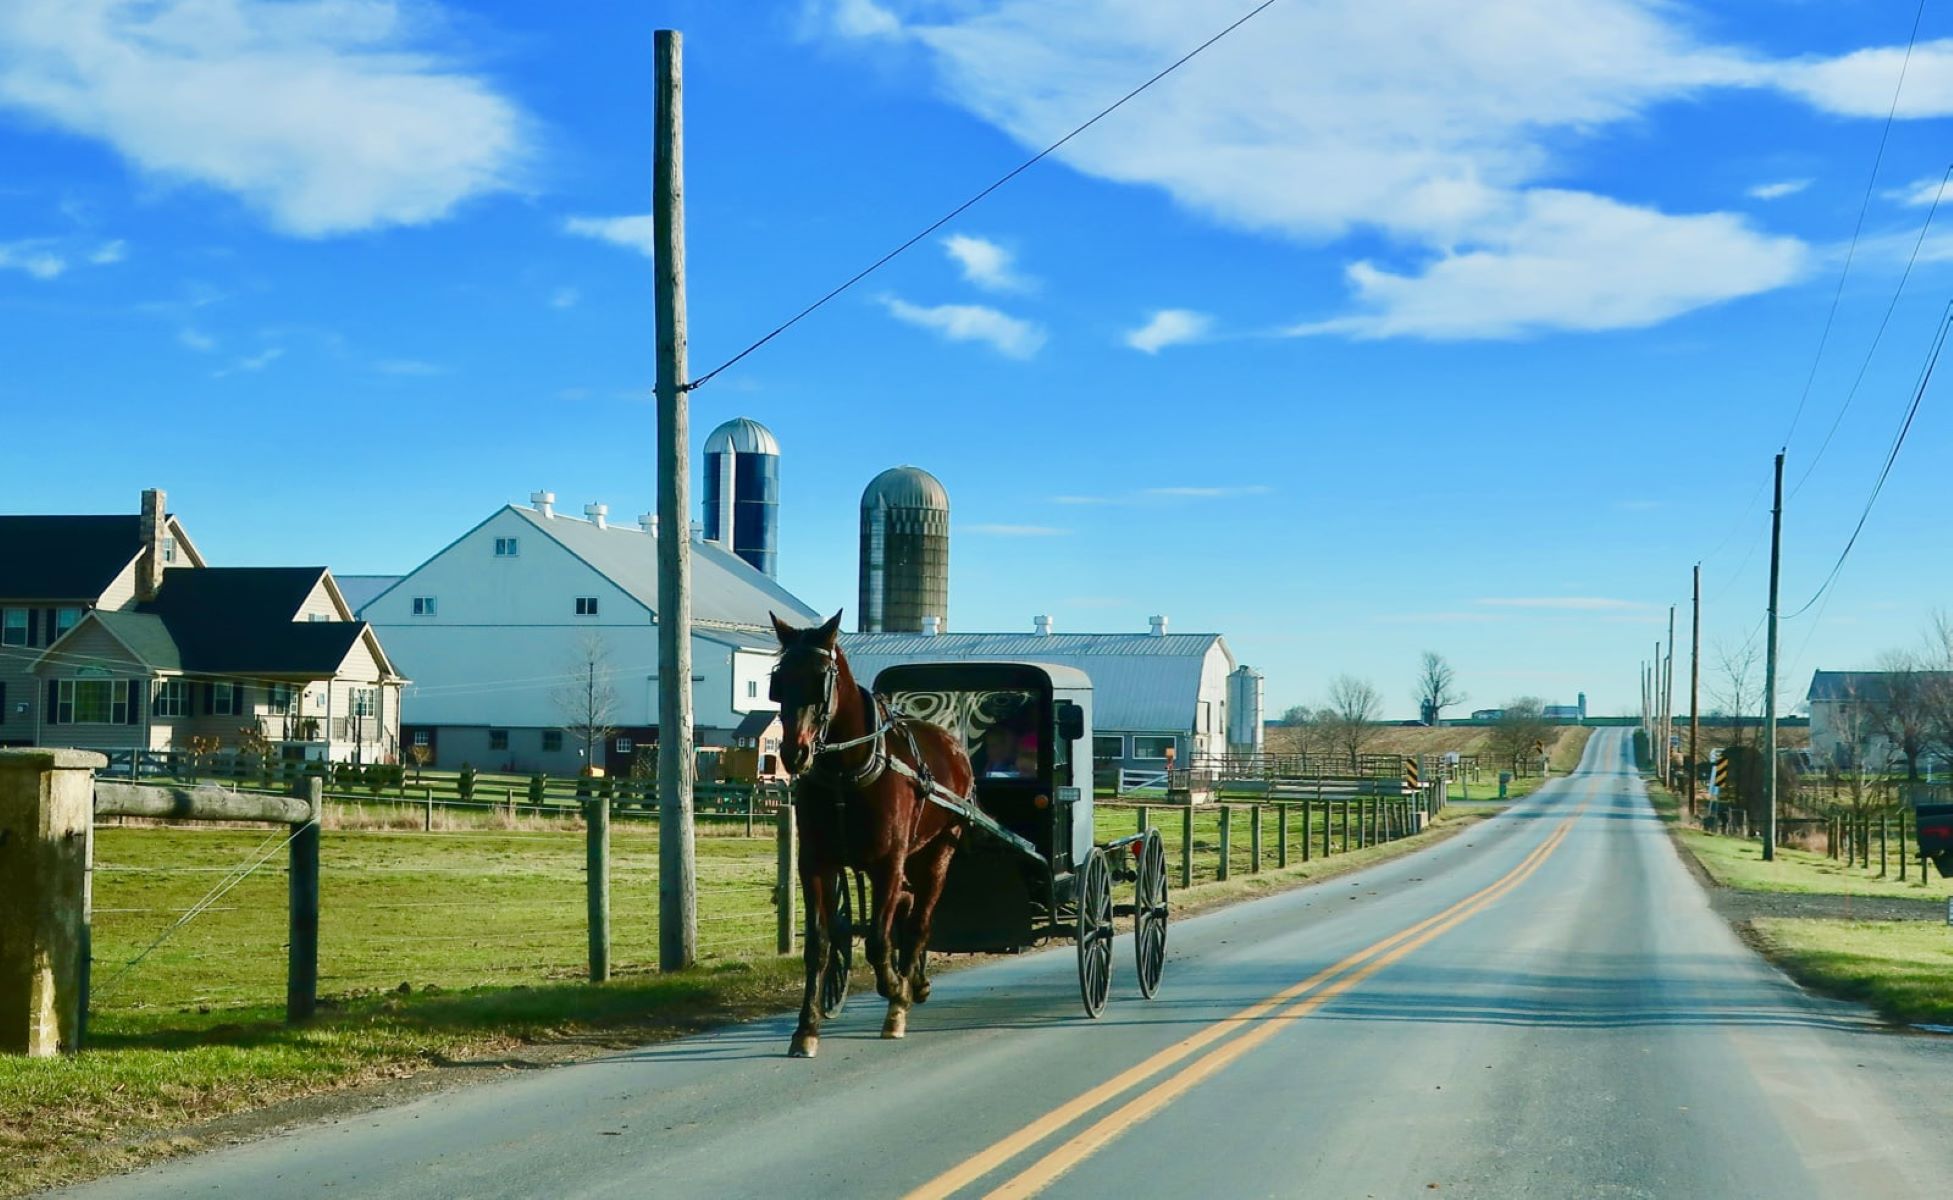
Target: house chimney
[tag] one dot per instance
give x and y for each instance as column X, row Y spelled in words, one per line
column 597, row 513
column 648, row 522
column 1042, row 624
column 932, row 626
column 545, row 502
column 151, row 531
column 1158, row 624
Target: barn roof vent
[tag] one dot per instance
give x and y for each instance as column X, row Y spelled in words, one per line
column 545, row 502
column 1042, row 623
column 648, row 522
column 1158, row 624
column 932, row 626
column 597, row 513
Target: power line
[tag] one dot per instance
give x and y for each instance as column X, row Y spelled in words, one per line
column 1852, row 251
column 1891, row 457
column 958, row 211
column 1878, row 336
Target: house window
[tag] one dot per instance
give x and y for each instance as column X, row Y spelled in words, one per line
column 278, row 697
column 420, row 737
column 586, row 606
column 91, row 702
column 507, row 547
column 363, row 702
column 169, row 549
column 65, row 619
column 423, row 606
column 172, row 698
column 625, row 745
column 226, row 699
column 1151, row 746
column 1108, row 745
column 752, row 689
column 13, row 627
column 498, row 739
column 552, row 740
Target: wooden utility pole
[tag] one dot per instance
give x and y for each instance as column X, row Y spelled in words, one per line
column 1770, row 676
column 1695, row 684
column 1668, row 702
column 677, row 872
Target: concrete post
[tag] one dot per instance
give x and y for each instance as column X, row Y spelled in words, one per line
column 47, row 811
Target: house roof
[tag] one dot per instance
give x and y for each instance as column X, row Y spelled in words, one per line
column 1139, row 681
column 230, row 621
column 726, row 589
column 1873, row 687
column 65, row 558
column 358, row 589
column 756, row 723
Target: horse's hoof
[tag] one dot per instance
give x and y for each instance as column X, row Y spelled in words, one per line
column 920, row 993
column 804, row 1047
column 896, row 1026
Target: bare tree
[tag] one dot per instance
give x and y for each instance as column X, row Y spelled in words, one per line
column 1738, row 687
column 1351, row 717
column 1437, row 687
column 1903, row 714
column 1937, row 680
column 1857, row 729
column 1521, row 726
column 587, row 699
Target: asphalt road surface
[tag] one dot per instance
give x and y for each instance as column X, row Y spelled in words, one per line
column 1542, row 1006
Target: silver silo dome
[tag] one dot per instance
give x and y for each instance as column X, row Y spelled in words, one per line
column 742, row 491
column 904, row 552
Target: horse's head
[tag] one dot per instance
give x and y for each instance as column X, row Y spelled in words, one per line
column 806, row 683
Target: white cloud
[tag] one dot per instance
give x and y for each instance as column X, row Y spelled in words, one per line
column 1169, row 327
column 109, row 252
column 409, row 366
column 632, row 232
column 31, row 257
column 319, row 114
column 1010, row 336
column 1323, row 120
column 565, row 297
column 985, row 263
column 194, row 339
column 1777, row 190
column 1569, row 603
column 255, row 362
column 1210, row 493
column 1920, row 192
column 864, row 18
column 1015, row 530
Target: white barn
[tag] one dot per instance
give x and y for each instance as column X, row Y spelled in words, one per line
column 493, row 627
column 1151, row 692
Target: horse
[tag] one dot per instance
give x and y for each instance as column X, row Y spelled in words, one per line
column 861, row 775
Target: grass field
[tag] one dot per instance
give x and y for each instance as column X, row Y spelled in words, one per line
column 1904, row 969
column 1738, row 863
column 432, row 946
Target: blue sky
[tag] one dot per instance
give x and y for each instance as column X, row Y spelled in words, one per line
column 1343, row 343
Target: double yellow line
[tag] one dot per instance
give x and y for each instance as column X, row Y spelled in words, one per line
column 1290, row 1004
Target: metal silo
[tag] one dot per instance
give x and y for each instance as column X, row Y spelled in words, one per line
column 742, row 491
column 904, row 552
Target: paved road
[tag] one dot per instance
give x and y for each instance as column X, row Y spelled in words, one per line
column 1544, row 1006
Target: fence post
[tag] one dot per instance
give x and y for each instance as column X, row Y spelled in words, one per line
column 596, row 884
column 302, row 882
column 1327, row 821
column 752, row 797
column 1281, row 836
column 783, row 877
column 1186, row 847
column 1254, row 838
column 427, row 794
column 1342, row 842
column 1145, row 818
column 1881, row 845
column 1902, row 850
column 1227, row 840
column 47, row 809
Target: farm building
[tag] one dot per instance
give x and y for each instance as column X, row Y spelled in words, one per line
column 508, row 632
column 1848, row 716
column 1155, row 695
column 115, row 635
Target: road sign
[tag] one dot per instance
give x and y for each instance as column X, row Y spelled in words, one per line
column 1410, row 771
column 1720, row 779
column 1539, row 747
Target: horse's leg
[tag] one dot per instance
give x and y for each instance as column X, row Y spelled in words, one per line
column 815, row 888
column 928, row 871
column 885, row 881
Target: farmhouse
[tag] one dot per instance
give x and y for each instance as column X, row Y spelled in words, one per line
column 520, row 629
column 1848, row 708
column 115, row 635
column 1155, row 695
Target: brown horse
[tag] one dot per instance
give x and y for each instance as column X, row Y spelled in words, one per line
column 860, row 778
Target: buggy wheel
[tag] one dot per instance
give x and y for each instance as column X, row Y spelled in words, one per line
column 1149, row 914
column 1094, row 931
column 840, row 955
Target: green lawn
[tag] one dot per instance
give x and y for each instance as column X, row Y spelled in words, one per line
column 1738, row 863
column 1904, row 969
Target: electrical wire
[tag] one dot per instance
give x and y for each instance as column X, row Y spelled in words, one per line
column 1878, row 336
column 960, row 209
column 1891, row 457
column 1865, row 204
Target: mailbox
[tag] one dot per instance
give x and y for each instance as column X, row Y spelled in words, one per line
column 1936, row 835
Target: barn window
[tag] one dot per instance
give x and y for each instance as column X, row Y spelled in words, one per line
column 1151, row 746
column 1108, row 745
column 586, row 606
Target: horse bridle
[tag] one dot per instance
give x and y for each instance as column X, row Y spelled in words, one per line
column 884, row 719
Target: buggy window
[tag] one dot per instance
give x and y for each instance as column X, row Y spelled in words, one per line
column 1001, row 729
